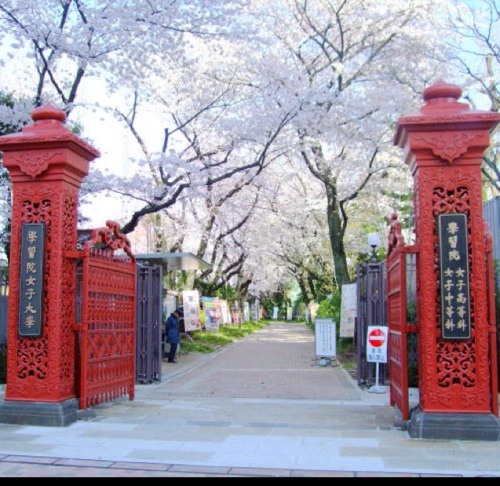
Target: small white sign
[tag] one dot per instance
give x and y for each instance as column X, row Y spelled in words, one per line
column 376, row 344
column 326, row 339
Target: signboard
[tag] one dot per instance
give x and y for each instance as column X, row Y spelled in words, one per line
column 454, row 276
column 348, row 311
column 325, row 338
column 376, row 344
column 191, row 307
column 31, row 279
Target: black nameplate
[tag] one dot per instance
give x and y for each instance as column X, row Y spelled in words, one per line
column 454, row 276
column 31, row 274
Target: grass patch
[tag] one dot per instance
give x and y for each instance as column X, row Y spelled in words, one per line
column 206, row 342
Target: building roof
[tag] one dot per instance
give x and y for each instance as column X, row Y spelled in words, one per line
column 174, row 261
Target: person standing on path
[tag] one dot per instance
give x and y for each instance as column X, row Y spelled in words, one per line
column 172, row 333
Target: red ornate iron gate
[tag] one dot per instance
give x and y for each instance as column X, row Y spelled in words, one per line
column 397, row 318
column 105, row 357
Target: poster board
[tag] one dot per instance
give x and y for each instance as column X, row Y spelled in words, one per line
column 211, row 320
column 325, row 338
column 191, row 305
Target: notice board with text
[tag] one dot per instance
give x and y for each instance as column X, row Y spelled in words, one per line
column 325, row 338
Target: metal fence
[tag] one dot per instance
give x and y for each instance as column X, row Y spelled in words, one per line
column 149, row 322
column 491, row 214
column 371, row 311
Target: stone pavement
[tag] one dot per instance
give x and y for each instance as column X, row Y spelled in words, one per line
column 260, row 407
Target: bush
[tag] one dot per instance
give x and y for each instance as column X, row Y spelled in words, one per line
column 330, row 307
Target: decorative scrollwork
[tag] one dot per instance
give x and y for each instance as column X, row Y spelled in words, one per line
column 395, row 238
column 109, row 237
column 448, row 146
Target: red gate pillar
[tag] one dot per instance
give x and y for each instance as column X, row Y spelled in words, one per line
column 443, row 145
column 47, row 164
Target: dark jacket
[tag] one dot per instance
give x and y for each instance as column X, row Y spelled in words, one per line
column 172, row 329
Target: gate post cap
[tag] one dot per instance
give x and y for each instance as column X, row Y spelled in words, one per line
column 48, row 112
column 443, row 96
column 441, row 89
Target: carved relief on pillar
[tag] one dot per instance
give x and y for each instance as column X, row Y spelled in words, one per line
column 36, row 162
column 444, row 143
column 54, row 349
column 456, row 361
column 460, row 372
column 68, row 293
column 46, row 164
column 31, row 362
column 447, row 145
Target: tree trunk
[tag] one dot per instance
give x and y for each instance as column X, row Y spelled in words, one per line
column 336, row 226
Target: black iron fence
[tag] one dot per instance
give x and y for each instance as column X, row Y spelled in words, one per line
column 371, row 311
column 149, row 323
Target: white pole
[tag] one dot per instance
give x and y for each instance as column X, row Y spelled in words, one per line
column 376, row 388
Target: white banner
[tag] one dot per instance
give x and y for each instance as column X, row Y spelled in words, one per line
column 226, row 315
column 348, row 311
column 246, row 311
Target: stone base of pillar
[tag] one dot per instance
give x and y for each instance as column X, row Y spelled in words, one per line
column 453, row 426
column 58, row 414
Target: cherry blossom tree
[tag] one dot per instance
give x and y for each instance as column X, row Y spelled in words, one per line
column 74, row 40
column 275, row 119
column 338, row 68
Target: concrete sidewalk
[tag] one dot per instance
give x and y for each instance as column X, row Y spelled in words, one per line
column 261, row 406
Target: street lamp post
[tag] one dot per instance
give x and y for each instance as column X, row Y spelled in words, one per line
column 373, row 241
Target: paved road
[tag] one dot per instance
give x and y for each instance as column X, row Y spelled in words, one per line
column 259, row 407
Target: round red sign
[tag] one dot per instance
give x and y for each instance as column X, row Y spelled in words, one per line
column 376, row 338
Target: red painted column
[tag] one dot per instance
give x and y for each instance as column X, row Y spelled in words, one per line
column 47, row 164
column 443, row 145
